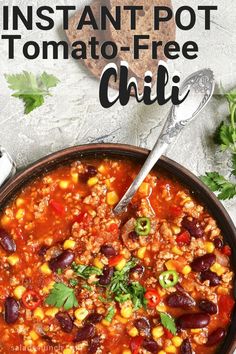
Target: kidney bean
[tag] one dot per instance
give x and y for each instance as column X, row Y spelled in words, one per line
column 143, row 325
column 7, row 242
column 133, row 235
column 93, row 345
column 150, row 345
column 218, row 243
column 181, row 300
column 216, row 337
column 42, row 251
column 208, row 307
column 193, row 320
column 62, row 261
column 11, row 310
column 105, row 278
column 91, row 171
column 212, row 277
column 193, row 227
column 65, row 321
column 138, row 269
column 94, row 318
column 108, row 251
column 186, row 347
column 85, row 333
column 203, row 263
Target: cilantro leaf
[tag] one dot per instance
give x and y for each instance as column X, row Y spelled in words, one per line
column 84, row 271
column 168, row 322
column 219, row 184
column 110, row 314
column 30, row 89
column 234, row 164
column 62, row 296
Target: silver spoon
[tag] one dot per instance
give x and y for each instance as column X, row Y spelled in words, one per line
column 201, row 85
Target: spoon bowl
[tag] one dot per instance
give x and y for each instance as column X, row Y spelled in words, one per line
column 200, row 86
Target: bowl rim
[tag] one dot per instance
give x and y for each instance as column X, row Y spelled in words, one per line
column 200, row 190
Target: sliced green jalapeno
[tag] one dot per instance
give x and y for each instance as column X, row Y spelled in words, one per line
column 143, row 226
column 168, row 279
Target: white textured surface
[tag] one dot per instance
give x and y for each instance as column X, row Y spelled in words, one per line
column 73, row 114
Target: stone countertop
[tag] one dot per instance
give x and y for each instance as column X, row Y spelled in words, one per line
column 73, row 115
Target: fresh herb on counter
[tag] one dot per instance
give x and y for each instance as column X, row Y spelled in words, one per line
column 62, row 296
column 168, row 322
column 31, row 89
column 225, row 136
column 219, row 184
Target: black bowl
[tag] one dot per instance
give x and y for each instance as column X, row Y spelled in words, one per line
column 200, row 191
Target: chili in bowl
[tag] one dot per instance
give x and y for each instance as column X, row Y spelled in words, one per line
column 75, row 278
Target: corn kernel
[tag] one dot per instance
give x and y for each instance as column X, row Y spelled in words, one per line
column 170, row 265
column 186, row 270
column 92, row 181
column 144, row 189
column 51, row 312
column 97, row 263
column 20, row 214
column 177, row 251
column 121, row 319
column 75, row 177
column 177, row 341
column 101, row 169
column 81, row 313
column 161, row 352
column 209, row 247
column 161, row 308
column 68, row 351
column 218, row 269
column 222, row 291
column 13, row 260
column 45, row 269
column 141, row 252
column 176, row 229
column 195, row 330
column 34, row 335
column 69, row 244
column 112, row 198
column 121, row 264
column 108, row 183
column 19, row 202
column 157, row 332
column 64, row 184
column 106, row 323
column 19, row 291
column 38, row 313
column 5, row 220
column 133, row 332
column 170, row 349
column 126, row 312
column 126, row 351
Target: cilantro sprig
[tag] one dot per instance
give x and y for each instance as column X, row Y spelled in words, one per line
column 62, row 296
column 168, row 322
column 225, row 136
column 31, row 89
column 122, row 289
column 84, row 271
